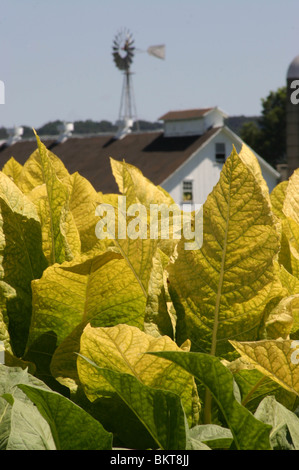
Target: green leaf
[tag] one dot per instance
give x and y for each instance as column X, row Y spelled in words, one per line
column 21, row 261
column 212, row 435
column 247, row 431
column 159, row 411
column 17, row 414
column 123, row 348
column 72, row 428
column 222, row 290
column 283, row 421
column 29, row 430
column 254, row 386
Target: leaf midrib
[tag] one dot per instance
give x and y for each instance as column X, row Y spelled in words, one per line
column 50, row 208
column 221, row 275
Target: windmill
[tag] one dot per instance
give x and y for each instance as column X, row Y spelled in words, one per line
column 123, row 52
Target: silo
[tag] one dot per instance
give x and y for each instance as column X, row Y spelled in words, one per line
column 292, row 116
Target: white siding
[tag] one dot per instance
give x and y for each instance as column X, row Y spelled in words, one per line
column 204, row 171
column 196, row 126
column 184, row 127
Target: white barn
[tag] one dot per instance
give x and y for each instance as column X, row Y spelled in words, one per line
column 196, row 177
column 185, row 157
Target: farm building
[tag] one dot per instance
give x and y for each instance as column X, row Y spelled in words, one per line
column 185, row 158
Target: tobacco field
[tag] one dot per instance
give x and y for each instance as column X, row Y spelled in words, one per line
column 139, row 343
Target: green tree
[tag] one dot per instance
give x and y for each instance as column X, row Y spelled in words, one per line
column 267, row 136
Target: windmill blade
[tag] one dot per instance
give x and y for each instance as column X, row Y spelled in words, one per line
column 157, row 51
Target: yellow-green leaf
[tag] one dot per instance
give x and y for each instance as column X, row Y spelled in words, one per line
column 288, row 281
column 51, row 197
column 102, row 290
column 21, row 260
column 12, row 168
column 291, row 201
column 33, row 171
column 283, row 318
column 160, row 315
column 249, row 159
column 137, row 187
column 278, row 359
column 123, row 348
column 289, row 253
column 83, row 202
column 277, row 197
column 222, row 290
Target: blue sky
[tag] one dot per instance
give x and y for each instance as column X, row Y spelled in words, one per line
column 56, row 59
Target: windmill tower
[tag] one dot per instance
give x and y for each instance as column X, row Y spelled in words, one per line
column 123, row 51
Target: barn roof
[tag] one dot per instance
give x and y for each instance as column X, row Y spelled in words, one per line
column 155, row 155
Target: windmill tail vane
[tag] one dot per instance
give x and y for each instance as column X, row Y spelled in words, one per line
column 157, row 51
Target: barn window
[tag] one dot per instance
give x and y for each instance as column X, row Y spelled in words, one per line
column 187, row 191
column 220, row 152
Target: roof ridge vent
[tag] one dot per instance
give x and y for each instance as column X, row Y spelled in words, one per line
column 14, row 135
column 65, row 131
column 124, row 128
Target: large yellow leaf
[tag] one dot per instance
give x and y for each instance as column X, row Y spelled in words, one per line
column 277, row 359
column 102, row 290
column 148, row 256
column 137, row 189
column 222, row 290
column 123, row 348
column 249, row 159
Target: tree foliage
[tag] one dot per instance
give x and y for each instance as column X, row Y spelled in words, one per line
column 267, row 136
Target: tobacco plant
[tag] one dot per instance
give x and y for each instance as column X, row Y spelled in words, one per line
column 140, row 343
